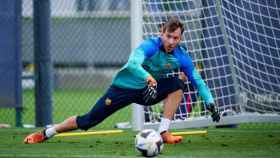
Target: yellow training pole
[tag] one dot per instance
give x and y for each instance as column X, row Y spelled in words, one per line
column 190, row 133
column 107, row 132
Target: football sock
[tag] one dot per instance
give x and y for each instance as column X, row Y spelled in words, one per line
column 164, row 125
column 50, row 132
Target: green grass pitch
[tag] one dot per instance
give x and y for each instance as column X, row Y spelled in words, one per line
column 249, row 140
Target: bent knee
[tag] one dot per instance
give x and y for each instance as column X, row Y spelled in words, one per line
column 178, row 93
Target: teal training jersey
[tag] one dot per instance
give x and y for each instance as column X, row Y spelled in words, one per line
column 151, row 59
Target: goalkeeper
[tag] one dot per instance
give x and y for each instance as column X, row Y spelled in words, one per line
column 144, row 80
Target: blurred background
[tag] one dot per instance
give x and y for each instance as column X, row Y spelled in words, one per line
column 89, row 41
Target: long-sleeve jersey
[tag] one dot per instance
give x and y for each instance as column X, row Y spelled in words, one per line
column 151, row 59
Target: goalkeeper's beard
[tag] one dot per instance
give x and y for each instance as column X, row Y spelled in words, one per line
column 169, row 48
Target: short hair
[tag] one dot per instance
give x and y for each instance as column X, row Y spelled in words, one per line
column 172, row 24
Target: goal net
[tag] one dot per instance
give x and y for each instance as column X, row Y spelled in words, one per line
column 235, row 47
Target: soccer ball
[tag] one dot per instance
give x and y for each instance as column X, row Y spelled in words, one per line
column 148, row 142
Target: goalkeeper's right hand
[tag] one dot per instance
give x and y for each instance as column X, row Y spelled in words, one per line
column 214, row 113
column 151, row 92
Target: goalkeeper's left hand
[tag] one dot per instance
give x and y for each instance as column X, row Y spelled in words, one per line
column 214, row 113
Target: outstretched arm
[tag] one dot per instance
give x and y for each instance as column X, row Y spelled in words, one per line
column 196, row 79
column 198, row 83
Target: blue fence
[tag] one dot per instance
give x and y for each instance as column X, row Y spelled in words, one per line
column 10, row 54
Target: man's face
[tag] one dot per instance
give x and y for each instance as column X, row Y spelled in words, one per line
column 171, row 39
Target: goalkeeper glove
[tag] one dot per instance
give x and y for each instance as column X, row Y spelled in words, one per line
column 150, row 94
column 214, row 113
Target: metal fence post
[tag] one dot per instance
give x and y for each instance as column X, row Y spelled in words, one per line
column 43, row 63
